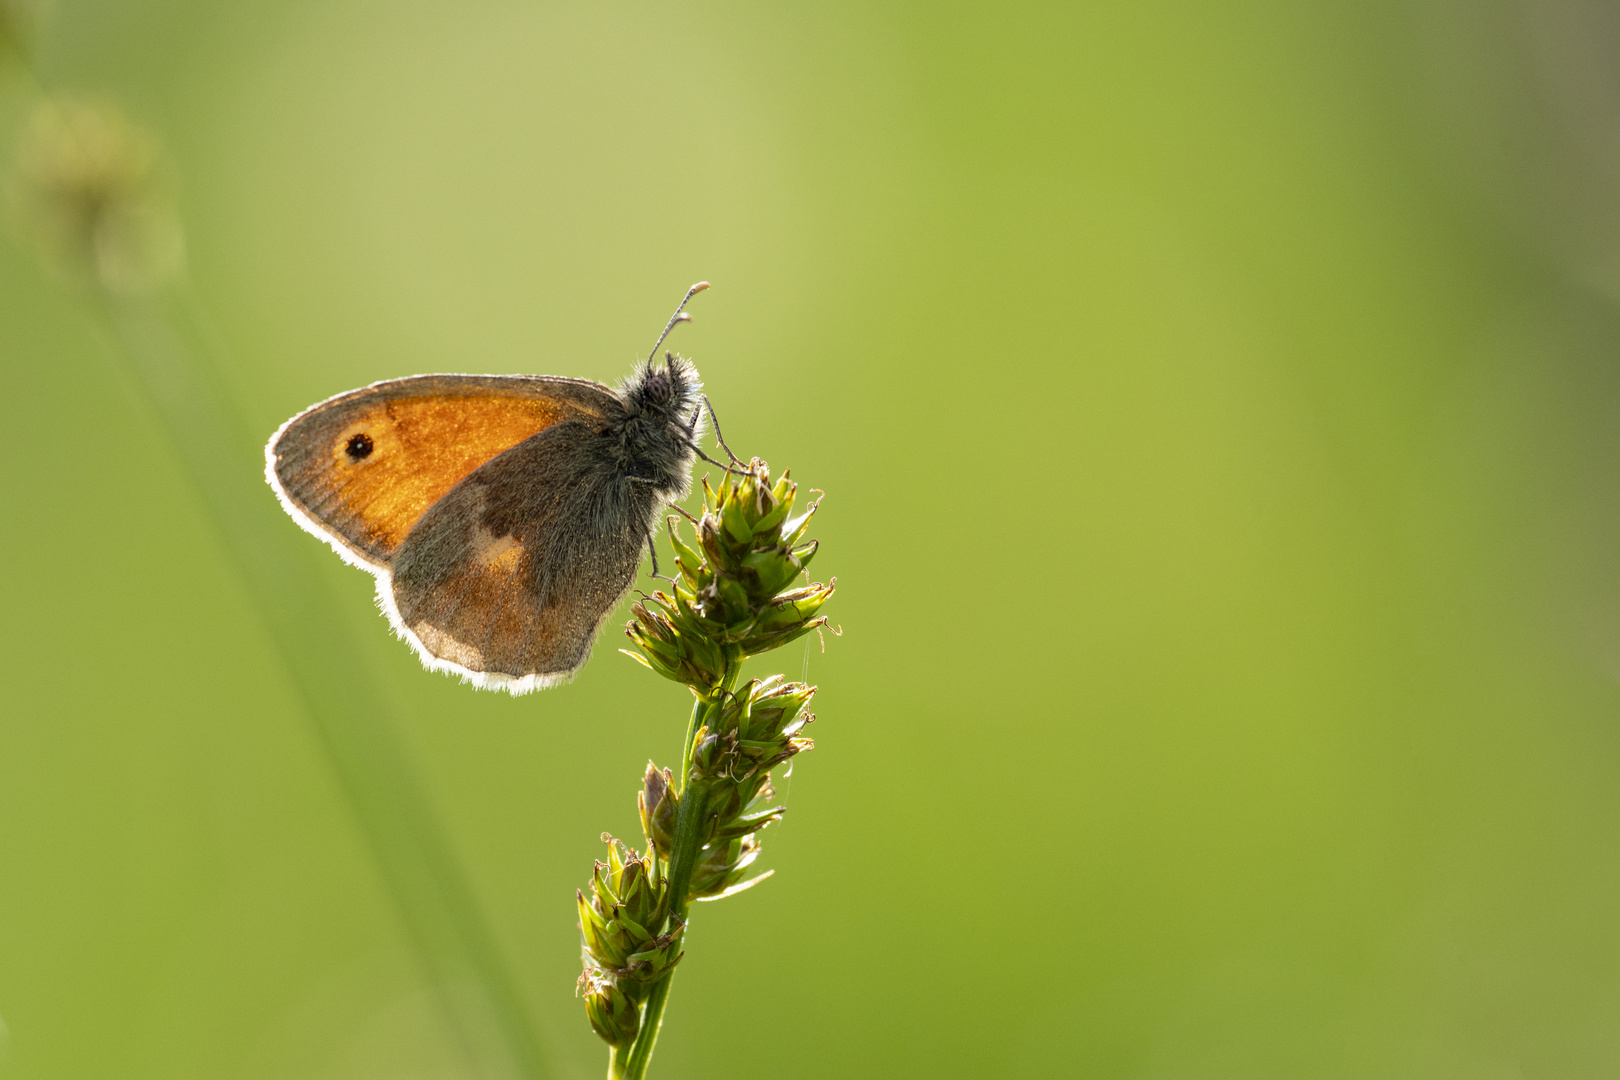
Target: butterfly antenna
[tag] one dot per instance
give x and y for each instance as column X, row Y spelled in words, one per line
column 680, row 316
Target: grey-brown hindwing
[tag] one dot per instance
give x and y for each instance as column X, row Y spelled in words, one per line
column 513, row 571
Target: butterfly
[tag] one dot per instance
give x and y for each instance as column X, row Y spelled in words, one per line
column 502, row 515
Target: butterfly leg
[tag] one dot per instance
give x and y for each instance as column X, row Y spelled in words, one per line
column 721, row 464
column 719, row 438
column 698, row 450
column 653, row 551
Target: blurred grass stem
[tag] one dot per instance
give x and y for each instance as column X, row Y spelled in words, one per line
column 415, row 858
column 162, row 339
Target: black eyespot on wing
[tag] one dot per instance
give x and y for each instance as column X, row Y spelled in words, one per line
column 359, row 446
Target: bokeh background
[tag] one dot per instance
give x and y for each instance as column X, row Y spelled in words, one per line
column 1219, row 411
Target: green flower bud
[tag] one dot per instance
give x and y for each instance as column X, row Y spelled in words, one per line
column 671, row 642
column 614, row 1015
column 788, row 618
column 658, row 804
column 722, row 866
column 730, row 589
column 656, row 960
column 746, row 824
column 772, row 709
column 622, row 918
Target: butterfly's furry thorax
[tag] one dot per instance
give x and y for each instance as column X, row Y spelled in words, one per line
column 658, row 430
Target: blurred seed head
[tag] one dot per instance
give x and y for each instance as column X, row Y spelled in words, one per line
column 91, row 189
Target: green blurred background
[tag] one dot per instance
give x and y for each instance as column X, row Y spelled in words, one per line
column 1217, row 405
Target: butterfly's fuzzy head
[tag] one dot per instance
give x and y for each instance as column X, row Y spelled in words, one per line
column 661, row 424
column 668, row 392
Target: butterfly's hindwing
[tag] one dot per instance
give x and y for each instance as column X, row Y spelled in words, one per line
column 512, row 572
